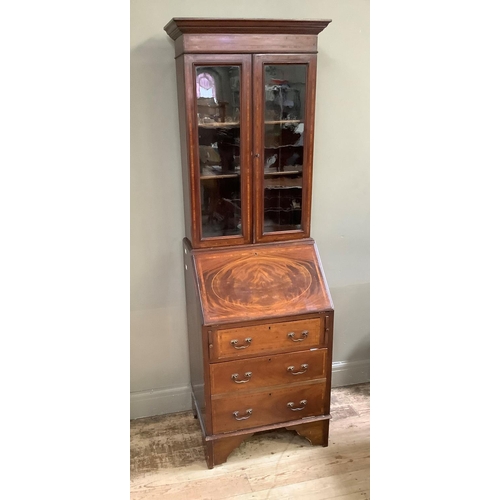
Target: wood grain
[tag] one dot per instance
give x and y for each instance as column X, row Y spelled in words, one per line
column 197, row 340
column 268, row 407
column 218, row 450
column 266, row 371
column 315, row 432
column 261, row 282
column 222, row 26
column 185, row 158
column 266, row 338
column 245, row 43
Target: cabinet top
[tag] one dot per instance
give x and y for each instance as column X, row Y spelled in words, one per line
column 181, row 25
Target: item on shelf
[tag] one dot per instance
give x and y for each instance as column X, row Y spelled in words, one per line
column 209, row 155
column 271, row 160
column 210, row 111
column 282, row 101
column 227, row 148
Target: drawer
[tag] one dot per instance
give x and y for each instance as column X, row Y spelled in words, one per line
column 266, row 338
column 268, row 407
column 265, row 371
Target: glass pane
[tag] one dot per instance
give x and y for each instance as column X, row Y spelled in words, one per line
column 285, row 98
column 218, row 101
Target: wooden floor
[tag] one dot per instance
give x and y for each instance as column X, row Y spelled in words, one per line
column 167, row 459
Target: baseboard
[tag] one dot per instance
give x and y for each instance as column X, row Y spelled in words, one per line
column 159, row 402
column 350, row 372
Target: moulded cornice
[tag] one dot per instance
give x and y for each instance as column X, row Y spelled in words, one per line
column 181, row 25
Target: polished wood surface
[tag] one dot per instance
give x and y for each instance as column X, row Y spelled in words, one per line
column 268, row 406
column 211, row 355
column 267, row 281
column 266, row 338
column 248, row 374
column 315, row 432
column 198, row 342
column 245, row 43
column 223, row 26
column 248, row 44
column 260, row 316
column 188, row 200
column 214, row 397
column 217, row 451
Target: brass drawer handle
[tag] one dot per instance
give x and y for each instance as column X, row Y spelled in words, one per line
column 248, row 412
column 302, row 404
column 304, row 367
column 235, row 341
column 304, row 334
column 234, row 376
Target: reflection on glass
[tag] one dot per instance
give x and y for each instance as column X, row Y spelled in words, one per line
column 284, row 99
column 218, row 111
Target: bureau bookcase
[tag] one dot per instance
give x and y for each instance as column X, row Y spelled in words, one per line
column 260, row 316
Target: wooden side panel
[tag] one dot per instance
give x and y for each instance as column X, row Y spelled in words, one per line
column 261, row 282
column 198, row 355
column 329, row 329
column 181, row 97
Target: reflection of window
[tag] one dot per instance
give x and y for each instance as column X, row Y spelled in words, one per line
column 205, row 86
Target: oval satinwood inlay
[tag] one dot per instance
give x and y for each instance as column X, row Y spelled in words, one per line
column 267, row 281
column 255, row 282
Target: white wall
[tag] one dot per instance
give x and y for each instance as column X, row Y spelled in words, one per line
column 340, row 217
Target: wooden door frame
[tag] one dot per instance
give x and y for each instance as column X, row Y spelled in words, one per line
column 191, row 61
column 258, row 145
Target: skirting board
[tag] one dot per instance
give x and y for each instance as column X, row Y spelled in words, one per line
column 162, row 401
column 159, row 402
column 350, row 372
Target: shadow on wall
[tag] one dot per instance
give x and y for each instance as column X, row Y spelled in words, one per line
column 157, row 223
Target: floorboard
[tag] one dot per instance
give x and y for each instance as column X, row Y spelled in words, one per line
column 167, row 459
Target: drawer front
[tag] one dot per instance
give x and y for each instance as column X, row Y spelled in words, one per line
column 268, row 407
column 265, row 371
column 267, row 338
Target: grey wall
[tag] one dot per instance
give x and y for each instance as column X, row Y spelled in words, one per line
column 340, row 217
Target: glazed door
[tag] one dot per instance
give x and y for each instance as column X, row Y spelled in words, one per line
column 218, row 106
column 284, row 95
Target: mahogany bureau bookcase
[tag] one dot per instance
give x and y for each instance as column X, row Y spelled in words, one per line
column 260, row 316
